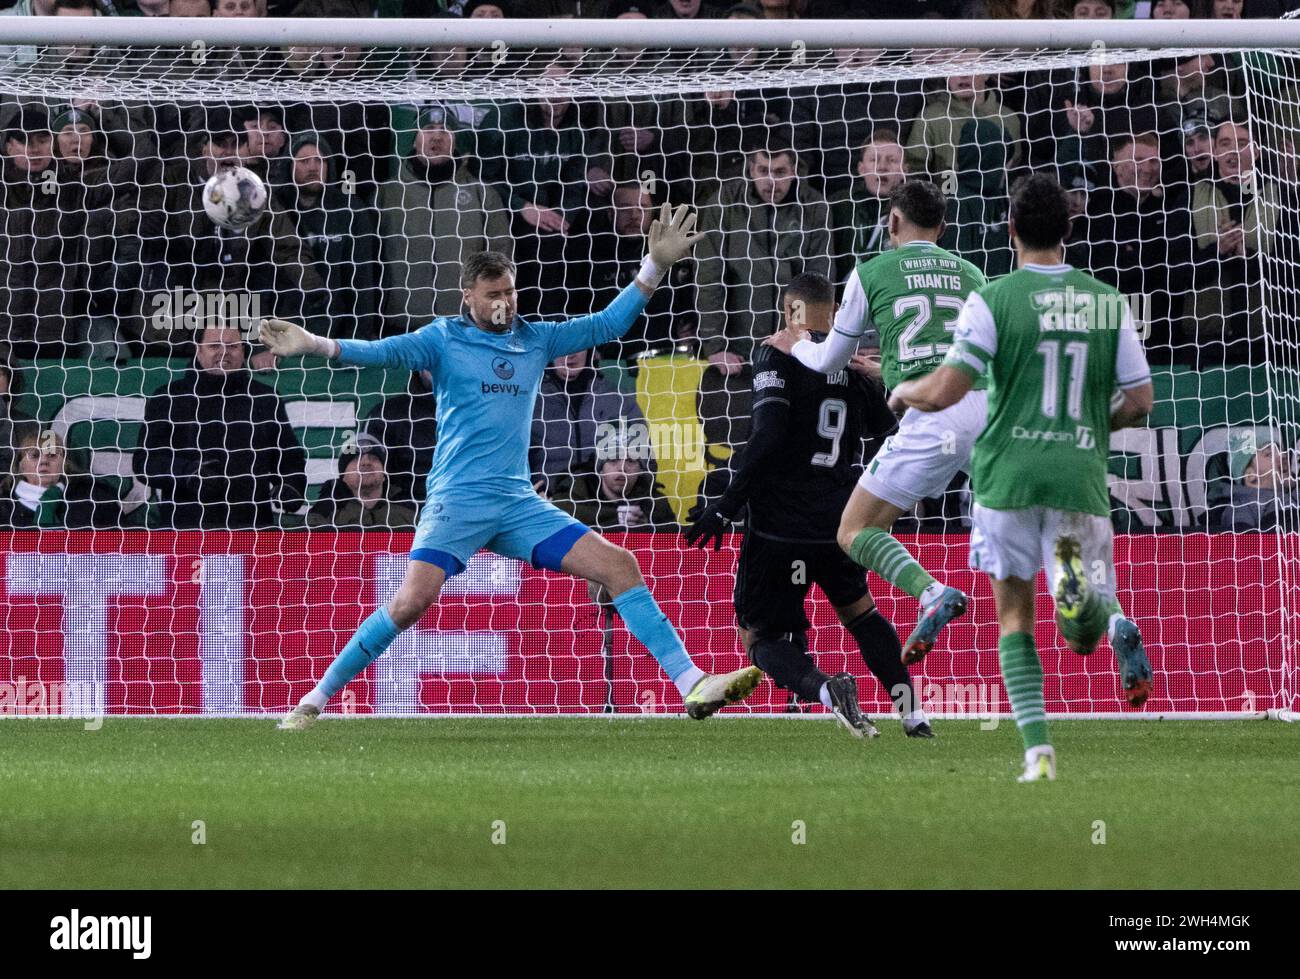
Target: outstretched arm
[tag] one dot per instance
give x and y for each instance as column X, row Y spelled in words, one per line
column 412, row 351
column 672, row 236
column 835, row 352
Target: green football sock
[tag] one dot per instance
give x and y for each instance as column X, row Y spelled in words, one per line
column 877, row 550
column 1022, row 674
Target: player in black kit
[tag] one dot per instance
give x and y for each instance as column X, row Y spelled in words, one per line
column 795, row 474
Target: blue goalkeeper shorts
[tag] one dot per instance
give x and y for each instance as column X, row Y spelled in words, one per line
column 453, row 527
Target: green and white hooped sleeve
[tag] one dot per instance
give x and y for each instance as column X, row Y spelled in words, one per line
column 976, row 341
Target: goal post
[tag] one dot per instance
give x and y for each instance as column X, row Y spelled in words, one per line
column 209, row 537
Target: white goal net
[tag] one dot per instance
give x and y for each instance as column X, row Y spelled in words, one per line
column 187, row 527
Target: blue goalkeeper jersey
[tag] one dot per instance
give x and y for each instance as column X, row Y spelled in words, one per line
column 486, row 385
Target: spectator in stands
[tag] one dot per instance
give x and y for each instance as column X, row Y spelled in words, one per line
column 1234, row 218
column 189, row 8
column 235, row 8
column 216, row 448
column 832, row 122
column 707, row 147
column 213, row 142
column 1140, row 238
column 360, row 132
column 1193, row 158
column 782, row 9
column 359, row 498
column 31, row 306
column 1263, row 496
column 1078, row 191
column 1221, row 9
column 861, row 220
column 1093, row 10
column 342, row 8
column 406, row 426
column 578, row 415
column 1076, row 113
column 9, row 416
column 620, row 495
column 623, row 58
column 552, row 170
column 431, row 216
column 688, row 10
column 110, row 169
column 1171, row 10
column 1195, row 87
column 959, row 109
column 263, row 147
column 967, row 142
column 339, row 237
column 87, row 226
column 764, row 229
column 610, row 257
column 267, row 262
column 42, row 490
column 1011, row 10
column 637, row 126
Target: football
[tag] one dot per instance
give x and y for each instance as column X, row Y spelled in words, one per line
column 234, row 198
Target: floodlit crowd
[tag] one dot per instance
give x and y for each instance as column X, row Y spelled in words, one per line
column 1181, row 197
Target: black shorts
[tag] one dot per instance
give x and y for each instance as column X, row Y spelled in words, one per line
column 771, row 585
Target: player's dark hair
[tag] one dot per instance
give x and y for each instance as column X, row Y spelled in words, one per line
column 484, row 265
column 921, row 202
column 812, row 288
column 1040, row 211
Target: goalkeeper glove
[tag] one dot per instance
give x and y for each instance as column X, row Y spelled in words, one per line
column 711, row 525
column 285, row 339
column 670, row 241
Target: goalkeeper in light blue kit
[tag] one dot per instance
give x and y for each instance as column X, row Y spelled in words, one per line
column 487, row 365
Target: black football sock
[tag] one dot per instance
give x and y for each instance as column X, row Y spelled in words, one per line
column 789, row 667
column 882, row 652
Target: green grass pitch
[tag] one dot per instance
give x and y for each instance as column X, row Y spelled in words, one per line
column 643, row 802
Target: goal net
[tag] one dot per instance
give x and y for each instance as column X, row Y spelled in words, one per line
column 192, row 528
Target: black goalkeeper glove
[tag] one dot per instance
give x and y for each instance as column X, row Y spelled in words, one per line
column 711, row 525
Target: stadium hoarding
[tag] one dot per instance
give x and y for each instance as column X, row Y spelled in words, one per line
column 244, row 622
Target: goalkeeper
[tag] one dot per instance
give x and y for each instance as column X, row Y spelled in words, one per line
column 487, row 365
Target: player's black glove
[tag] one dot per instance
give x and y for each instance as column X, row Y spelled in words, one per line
column 711, row 525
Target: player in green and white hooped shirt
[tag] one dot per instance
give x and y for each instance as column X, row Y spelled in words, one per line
column 1055, row 344
column 910, row 297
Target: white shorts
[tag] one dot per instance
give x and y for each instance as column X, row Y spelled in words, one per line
column 1017, row 543
column 927, row 451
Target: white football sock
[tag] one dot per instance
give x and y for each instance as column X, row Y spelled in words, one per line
column 317, row 698
column 686, row 681
column 1115, row 619
column 931, row 593
column 824, row 695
